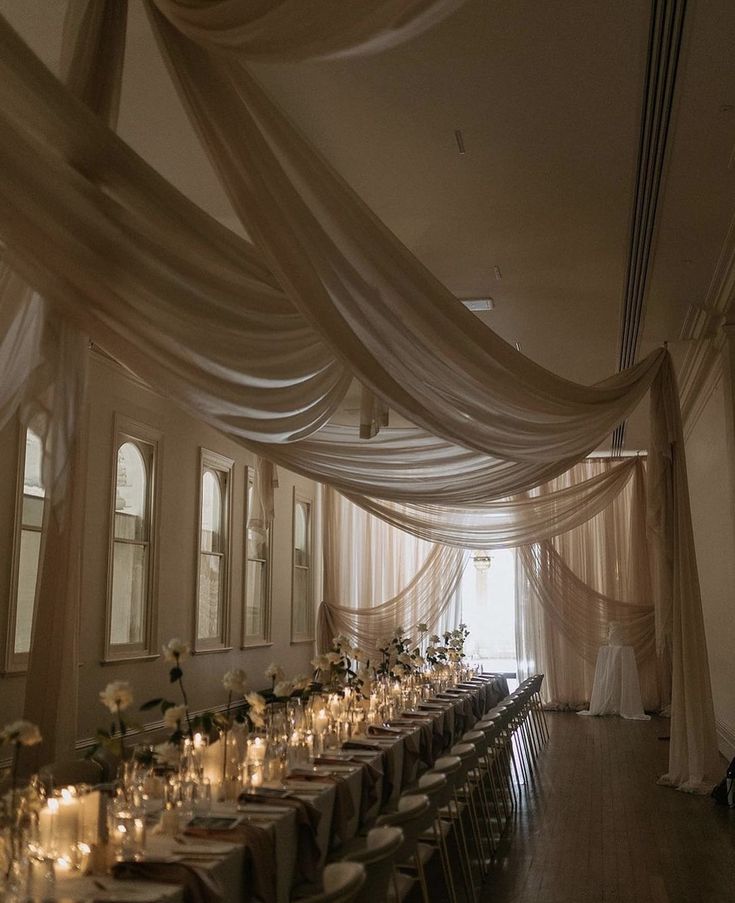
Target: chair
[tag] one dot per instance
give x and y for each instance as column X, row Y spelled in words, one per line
column 378, row 855
column 437, row 788
column 451, row 813
column 413, row 816
column 342, row 883
column 71, row 771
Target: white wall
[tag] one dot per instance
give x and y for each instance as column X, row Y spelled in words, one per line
column 112, row 392
column 709, row 450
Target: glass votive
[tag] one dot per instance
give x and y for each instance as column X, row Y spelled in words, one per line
column 126, row 830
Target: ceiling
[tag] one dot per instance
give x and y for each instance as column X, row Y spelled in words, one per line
column 548, row 99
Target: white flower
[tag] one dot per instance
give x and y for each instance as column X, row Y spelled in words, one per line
column 23, row 732
column 399, row 670
column 173, row 716
column 419, row 661
column 382, row 643
column 405, row 659
column 283, row 688
column 340, row 640
column 398, row 631
column 117, row 696
column 320, row 663
column 274, row 672
column 333, row 658
column 175, row 650
column 422, row 627
column 435, row 638
column 301, row 682
column 256, row 719
column 235, row 681
column 256, row 702
column 356, row 653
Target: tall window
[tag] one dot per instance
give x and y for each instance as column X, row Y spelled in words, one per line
column 256, row 620
column 131, row 568
column 212, row 614
column 302, row 609
column 29, row 520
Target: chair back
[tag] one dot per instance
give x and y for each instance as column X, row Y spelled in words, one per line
column 414, row 815
column 377, row 856
column 342, row 883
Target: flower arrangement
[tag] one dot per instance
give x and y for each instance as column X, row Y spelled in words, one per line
column 340, row 666
column 19, row 734
column 399, row 655
column 176, row 717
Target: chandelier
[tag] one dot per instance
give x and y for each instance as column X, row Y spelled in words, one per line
column 482, row 561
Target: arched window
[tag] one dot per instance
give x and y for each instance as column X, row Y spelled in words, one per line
column 131, row 546
column 302, row 607
column 212, row 612
column 29, row 521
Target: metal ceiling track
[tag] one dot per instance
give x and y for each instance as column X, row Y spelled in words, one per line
column 664, row 48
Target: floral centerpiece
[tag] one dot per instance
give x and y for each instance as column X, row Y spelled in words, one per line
column 14, row 806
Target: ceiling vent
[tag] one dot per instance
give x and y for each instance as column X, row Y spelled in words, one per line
column 477, row 304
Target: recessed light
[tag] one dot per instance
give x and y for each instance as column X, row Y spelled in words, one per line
column 478, row 303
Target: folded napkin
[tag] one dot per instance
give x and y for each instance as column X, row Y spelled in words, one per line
column 357, row 744
column 307, row 824
column 259, row 863
column 377, row 730
column 197, row 885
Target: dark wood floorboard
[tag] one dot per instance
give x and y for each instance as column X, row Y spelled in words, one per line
column 596, row 828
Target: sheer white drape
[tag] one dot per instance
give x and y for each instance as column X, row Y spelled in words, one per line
column 569, row 588
column 377, row 577
column 304, row 29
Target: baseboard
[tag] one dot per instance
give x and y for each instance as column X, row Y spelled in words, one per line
column 725, row 739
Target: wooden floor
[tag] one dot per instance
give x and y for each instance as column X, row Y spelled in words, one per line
column 597, row 828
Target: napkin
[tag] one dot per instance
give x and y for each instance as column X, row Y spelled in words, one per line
column 344, row 808
column 258, row 859
column 197, row 885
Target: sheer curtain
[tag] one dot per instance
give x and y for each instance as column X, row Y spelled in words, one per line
column 570, row 587
column 377, row 577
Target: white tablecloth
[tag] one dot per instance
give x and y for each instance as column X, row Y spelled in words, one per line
column 616, row 689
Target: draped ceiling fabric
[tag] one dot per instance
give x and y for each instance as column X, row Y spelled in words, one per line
column 262, row 340
column 507, row 523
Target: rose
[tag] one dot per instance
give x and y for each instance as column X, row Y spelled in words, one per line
column 175, row 650
column 301, row 682
column 117, row 696
column 256, row 702
column 234, row 681
column 173, row 716
column 22, row 733
column 274, row 672
column 283, row 688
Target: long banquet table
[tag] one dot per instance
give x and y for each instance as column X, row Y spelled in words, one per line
column 347, row 786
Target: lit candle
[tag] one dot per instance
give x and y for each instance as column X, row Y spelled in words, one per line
column 321, row 722
column 198, row 741
column 256, row 750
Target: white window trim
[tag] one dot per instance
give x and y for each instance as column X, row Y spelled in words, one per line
column 17, row 662
column 214, row 461
column 307, row 500
column 249, row 642
column 127, row 430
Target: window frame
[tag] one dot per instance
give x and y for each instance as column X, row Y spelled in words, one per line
column 16, row 663
column 210, row 460
column 300, row 497
column 127, row 430
column 251, row 641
